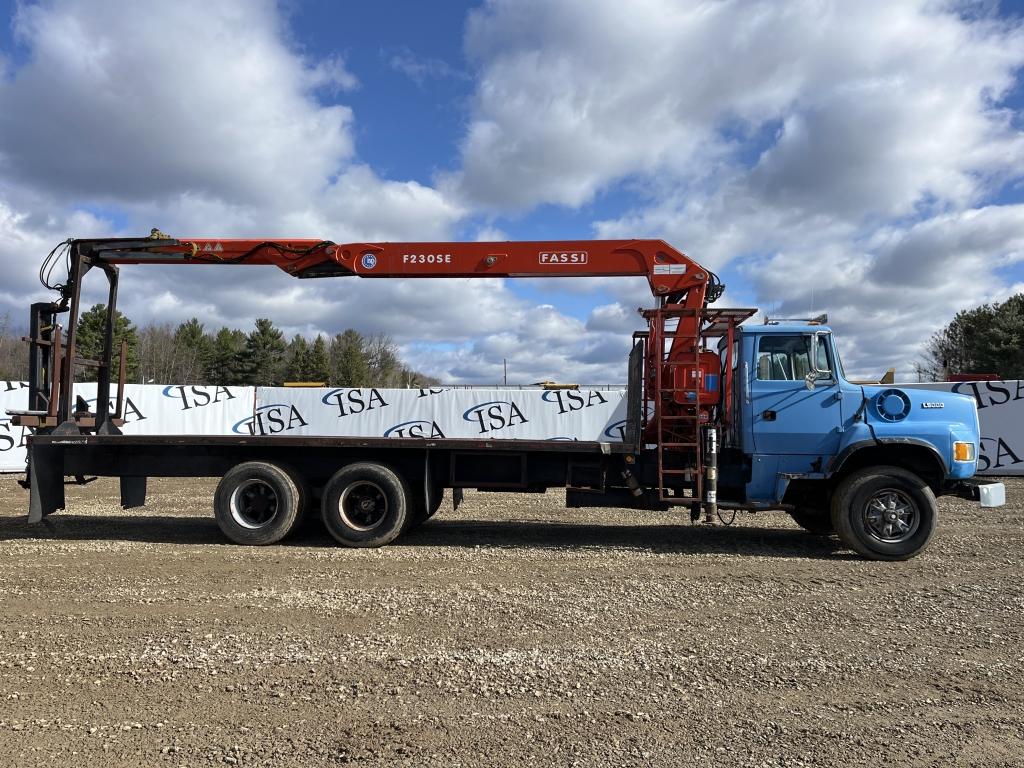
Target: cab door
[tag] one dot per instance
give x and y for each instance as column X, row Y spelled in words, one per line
column 787, row 416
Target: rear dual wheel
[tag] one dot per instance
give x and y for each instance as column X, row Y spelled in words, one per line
column 365, row 505
column 258, row 502
column 425, row 509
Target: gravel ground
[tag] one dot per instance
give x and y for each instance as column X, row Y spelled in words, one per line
column 513, row 632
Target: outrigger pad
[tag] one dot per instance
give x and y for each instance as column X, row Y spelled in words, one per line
column 133, row 492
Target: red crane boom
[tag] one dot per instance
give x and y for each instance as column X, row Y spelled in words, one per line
column 667, row 270
column 672, row 275
column 670, row 362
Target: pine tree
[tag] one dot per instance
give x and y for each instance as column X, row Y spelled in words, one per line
column 263, row 362
column 1001, row 347
column 296, row 366
column 986, row 339
column 224, row 365
column 89, row 341
column 13, row 354
column 350, row 365
column 319, row 361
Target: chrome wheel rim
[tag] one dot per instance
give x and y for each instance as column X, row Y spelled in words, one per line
column 363, row 506
column 891, row 516
column 254, row 504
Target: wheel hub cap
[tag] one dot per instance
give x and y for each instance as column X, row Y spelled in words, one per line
column 891, row 516
column 363, row 506
column 254, row 504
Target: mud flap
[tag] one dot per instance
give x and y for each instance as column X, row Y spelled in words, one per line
column 46, row 482
column 133, row 492
column 429, row 488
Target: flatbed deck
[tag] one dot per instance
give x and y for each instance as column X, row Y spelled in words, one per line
column 334, row 441
column 429, row 465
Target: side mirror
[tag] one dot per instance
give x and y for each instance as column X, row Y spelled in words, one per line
column 816, row 372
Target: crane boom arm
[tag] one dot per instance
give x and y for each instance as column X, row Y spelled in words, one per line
column 669, row 272
column 669, row 401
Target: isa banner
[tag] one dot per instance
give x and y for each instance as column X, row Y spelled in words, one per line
column 492, row 414
column 498, row 414
column 13, row 394
column 1001, row 415
column 149, row 409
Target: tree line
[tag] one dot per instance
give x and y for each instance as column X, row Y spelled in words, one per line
column 188, row 353
column 987, row 339
column 13, row 352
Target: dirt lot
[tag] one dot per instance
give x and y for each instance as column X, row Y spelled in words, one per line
column 510, row 633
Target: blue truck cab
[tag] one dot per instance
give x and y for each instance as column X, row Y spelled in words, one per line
column 863, row 461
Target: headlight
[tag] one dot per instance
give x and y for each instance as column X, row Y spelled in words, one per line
column 963, row 451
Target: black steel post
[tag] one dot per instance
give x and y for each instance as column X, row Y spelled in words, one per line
column 40, row 330
column 67, row 374
column 103, row 373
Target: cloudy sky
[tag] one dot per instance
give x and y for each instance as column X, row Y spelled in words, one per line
column 864, row 159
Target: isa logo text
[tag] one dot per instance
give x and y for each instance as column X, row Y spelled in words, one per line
column 349, row 402
column 495, row 415
column 197, row 397
column 569, row 400
column 270, row 420
column 419, row 428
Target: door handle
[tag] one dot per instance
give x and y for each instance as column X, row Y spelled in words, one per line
column 768, row 415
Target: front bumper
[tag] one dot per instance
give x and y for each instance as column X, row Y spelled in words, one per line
column 990, row 494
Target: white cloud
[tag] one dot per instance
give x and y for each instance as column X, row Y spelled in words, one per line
column 611, row 317
column 421, row 69
column 831, row 154
column 489, row 234
column 888, row 293
column 896, row 97
column 192, row 111
column 836, row 154
column 197, row 118
column 599, row 359
column 24, row 240
column 139, row 101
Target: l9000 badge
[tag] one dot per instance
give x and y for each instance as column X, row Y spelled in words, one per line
column 933, row 405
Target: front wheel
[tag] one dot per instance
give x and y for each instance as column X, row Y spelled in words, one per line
column 885, row 513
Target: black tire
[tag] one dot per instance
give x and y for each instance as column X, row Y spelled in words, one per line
column 816, row 521
column 424, row 511
column 885, row 513
column 305, row 499
column 257, row 503
column 365, row 505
